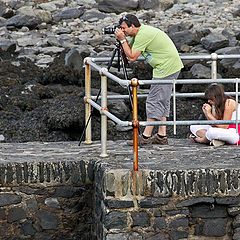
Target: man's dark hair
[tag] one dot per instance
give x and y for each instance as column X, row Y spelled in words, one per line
column 130, row 19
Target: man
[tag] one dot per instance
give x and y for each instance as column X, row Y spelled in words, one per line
column 160, row 52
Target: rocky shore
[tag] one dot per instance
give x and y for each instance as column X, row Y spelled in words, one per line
column 43, row 44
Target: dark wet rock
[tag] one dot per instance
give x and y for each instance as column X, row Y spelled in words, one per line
column 200, row 71
column 41, row 61
column 214, row 41
column 143, row 4
column 5, row 11
column 19, row 21
column 60, row 73
column 179, row 27
column 93, row 15
column 185, row 37
column 231, row 36
column 166, row 4
column 202, row 32
column 2, row 21
column 230, row 67
column 116, row 6
column 69, row 13
column 237, row 12
column 7, row 45
column 237, row 33
column 74, row 59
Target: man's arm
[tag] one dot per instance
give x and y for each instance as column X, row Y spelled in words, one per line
column 131, row 54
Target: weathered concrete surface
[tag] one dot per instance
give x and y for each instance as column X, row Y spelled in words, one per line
column 181, row 154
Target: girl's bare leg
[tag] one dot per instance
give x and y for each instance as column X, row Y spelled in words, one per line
column 201, row 136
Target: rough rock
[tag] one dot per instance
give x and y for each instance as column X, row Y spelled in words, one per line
column 43, row 45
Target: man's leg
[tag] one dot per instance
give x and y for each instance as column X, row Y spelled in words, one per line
column 148, row 129
column 162, row 130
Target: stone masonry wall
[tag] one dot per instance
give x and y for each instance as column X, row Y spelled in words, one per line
column 89, row 200
column 46, row 200
column 195, row 205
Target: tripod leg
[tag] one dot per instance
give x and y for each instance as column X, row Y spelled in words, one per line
column 112, row 57
column 124, row 59
column 126, row 76
column 116, row 50
column 85, row 127
column 84, row 130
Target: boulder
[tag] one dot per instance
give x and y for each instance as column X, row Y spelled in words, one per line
column 19, row 21
column 214, row 41
column 148, row 4
column 200, row 71
column 115, row 6
column 231, row 36
column 68, row 14
column 236, row 13
column 5, row 11
column 229, row 67
column 166, row 4
column 7, row 45
column 181, row 38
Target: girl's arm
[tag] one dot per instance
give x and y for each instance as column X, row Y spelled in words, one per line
column 230, row 106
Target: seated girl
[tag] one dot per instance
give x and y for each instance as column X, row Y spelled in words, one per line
column 219, row 107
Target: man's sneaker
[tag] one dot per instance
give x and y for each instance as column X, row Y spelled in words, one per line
column 217, row 143
column 141, row 141
column 158, row 140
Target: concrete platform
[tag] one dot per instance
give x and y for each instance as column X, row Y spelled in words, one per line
column 180, row 154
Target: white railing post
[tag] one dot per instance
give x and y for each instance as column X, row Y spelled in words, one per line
column 103, row 116
column 214, row 57
column 174, row 108
column 237, row 105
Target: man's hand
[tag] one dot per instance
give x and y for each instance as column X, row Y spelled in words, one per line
column 119, row 34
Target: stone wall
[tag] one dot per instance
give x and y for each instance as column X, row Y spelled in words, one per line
column 46, row 200
column 197, row 205
column 88, row 200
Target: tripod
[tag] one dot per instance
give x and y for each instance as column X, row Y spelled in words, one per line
column 121, row 61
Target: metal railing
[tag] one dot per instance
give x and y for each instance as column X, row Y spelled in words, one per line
column 134, row 83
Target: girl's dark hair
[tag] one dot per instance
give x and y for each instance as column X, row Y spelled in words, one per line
column 216, row 93
column 130, row 19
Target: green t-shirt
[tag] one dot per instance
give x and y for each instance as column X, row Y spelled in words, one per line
column 158, row 50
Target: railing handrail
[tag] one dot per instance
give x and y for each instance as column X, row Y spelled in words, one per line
column 182, row 56
column 92, row 62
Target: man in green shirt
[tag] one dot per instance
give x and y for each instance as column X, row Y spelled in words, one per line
column 160, row 52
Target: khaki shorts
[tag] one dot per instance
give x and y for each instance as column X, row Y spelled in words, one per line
column 158, row 100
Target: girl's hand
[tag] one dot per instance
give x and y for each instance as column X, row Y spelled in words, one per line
column 206, row 108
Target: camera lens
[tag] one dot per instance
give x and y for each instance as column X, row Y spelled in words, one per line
column 110, row 29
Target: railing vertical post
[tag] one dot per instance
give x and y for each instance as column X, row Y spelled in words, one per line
column 103, row 116
column 214, row 57
column 134, row 84
column 88, row 132
column 237, row 105
column 174, row 108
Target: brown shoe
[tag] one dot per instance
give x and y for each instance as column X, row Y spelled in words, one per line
column 158, row 140
column 141, row 141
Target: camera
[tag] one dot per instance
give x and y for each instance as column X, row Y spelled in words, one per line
column 110, row 29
